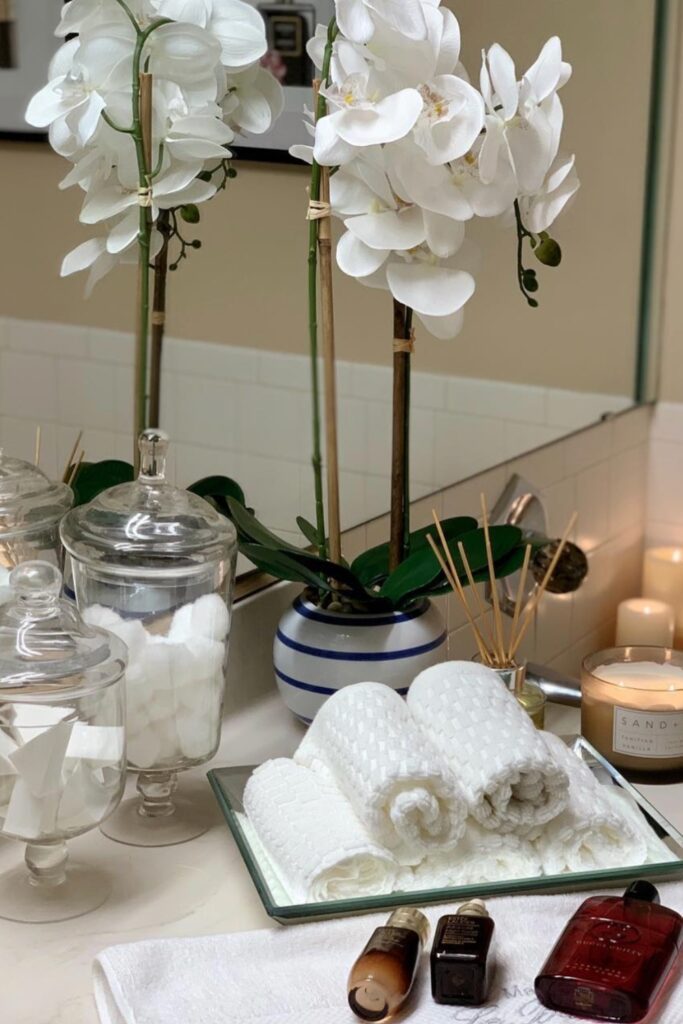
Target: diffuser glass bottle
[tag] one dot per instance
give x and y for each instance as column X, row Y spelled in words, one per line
column 62, row 744
column 155, row 565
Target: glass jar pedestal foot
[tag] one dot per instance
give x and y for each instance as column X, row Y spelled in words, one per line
column 49, row 890
column 157, row 817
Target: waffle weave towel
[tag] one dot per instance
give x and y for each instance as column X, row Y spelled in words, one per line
column 309, row 831
column 594, row 831
column 397, row 783
column 298, row 975
column 509, row 778
column 480, row 856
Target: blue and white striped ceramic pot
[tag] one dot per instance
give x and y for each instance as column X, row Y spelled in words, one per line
column 318, row 652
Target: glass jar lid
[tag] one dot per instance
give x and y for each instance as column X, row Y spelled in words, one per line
column 28, row 499
column 46, row 648
column 148, row 520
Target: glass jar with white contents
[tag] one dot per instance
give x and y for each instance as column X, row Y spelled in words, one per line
column 62, row 744
column 155, row 564
column 31, row 507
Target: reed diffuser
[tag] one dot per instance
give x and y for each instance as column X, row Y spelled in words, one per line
column 495, row 650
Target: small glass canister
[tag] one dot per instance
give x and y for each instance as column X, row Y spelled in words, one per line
column 632, row 710
column 62, row 744
column 31, row 507
column 529, row 694
column 155, row 565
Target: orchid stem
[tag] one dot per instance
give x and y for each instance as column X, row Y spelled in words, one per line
column 313, row 314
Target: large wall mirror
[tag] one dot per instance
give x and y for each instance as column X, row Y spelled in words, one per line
column 235, row 393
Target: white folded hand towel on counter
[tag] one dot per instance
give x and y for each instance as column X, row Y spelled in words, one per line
column 397, row 783
column 316, row 844
column 510, row 780
column 592, row 832
column 298, row 975
column 480, row 856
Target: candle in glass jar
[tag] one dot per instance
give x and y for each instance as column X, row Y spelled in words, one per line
column 632, row 708
column 645, row 622
column 663, row 579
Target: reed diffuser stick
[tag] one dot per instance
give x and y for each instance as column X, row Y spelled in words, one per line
column 477, row 596
column 533, row 604
column 518, row 600
column 497, row 617
column 36, row 459
column 458, row 588
column 72, row 456
column 75, row 468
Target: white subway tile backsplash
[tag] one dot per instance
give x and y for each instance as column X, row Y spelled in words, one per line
column 48, row 338
column 206, row 412
column 111, row 346
column 27, row 388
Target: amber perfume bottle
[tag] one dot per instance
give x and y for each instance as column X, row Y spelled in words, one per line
column 613, row 957
column 382, row 977
column 460, row 961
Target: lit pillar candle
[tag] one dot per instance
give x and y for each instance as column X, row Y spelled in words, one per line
column 645, row 622
column 663, row 579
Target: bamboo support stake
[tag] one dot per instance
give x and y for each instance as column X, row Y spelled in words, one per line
column 533, row 604
column 400, row 439
column 329, row 368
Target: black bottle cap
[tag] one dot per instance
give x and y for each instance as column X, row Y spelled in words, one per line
column 642, row 890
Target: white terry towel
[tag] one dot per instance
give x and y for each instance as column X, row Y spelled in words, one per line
column 298, row 975
column 480, row 856
column 317, row 846
column 510, row 780
column 593, row 832
column 396, row 781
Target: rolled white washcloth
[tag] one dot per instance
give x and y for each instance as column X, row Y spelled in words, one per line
column 480, row 856
column 318, row 847
column 593, row 831
column 510, row 780
column 397, row 783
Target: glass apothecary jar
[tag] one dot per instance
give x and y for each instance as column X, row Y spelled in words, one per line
column 62, row 744
column 155, row 565
column 31, row 507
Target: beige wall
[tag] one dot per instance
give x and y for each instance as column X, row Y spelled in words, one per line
column 247, row 285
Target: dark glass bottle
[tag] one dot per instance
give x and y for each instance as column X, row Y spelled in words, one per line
column 382, row 977
column 613, row 956
column 460, row 956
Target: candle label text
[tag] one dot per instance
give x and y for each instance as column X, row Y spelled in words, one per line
column 648, row 733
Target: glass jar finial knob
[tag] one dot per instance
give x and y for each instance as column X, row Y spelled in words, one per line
column 36, row 585
column 153, row 446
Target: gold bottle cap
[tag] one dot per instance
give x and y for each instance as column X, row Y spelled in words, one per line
column 409, row 917
column 474, row 908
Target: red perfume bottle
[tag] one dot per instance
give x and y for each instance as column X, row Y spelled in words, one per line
column 613, row 956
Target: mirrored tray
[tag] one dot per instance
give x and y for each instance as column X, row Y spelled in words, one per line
column 228, row 785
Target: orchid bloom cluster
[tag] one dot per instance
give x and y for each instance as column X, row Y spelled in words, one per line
column 208, row 86
column 418, row 151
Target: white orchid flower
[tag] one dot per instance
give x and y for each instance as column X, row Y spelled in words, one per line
column 522, row 117
column 407, row 62
column 95, row 257
column 451, row 119
column 79, row 16
column 561, row 184
column 237, row 26
column 81, row 73
column 255, row 100
column 363, row 118
column 357, row 19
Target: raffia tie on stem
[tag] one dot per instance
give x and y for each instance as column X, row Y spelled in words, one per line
column 405, row 344
column 145, row 197
column 318, row 209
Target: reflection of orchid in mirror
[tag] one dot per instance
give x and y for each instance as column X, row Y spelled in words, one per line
column 208, row 87
column 419, row 151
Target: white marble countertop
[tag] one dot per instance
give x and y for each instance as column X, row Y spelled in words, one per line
column 201, row 887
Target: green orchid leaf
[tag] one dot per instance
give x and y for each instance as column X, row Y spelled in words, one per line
column 372, row 566
column 309, row 531
column 421, row 574
column 217, row 490
column 282, row 566
column 251, row 531
column 334, row 571
column 505, row 566
column 94, row 477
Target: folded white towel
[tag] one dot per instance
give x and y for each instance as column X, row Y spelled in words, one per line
column 656, row 850
column 592, row 832
column 298, row 975
column 397, row 783
column 480, row 856
column 508, row 776
column 318, row 847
